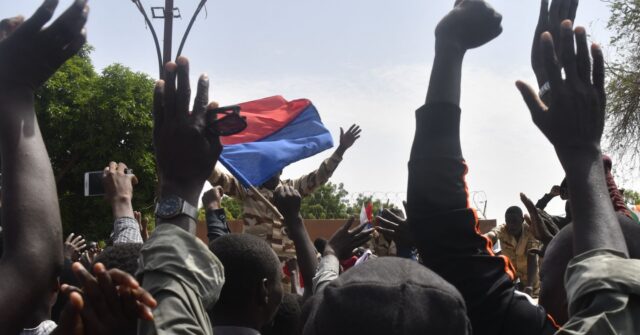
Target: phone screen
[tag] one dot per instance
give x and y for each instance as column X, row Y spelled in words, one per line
column 93, row 184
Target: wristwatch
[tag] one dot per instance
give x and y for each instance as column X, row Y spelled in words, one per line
column 172, row 206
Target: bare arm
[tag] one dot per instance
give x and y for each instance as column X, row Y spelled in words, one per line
column 307, row 184
column 30, row 216
column 288, row 202
column 573, row 122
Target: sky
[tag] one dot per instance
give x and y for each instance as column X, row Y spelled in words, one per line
column 364, row 62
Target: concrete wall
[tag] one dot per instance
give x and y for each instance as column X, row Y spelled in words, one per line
column 318, row 228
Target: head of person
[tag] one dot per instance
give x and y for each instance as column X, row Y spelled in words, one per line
column 287, row 318
column 320, row 244
column 553, row 296
column 514, row 220
column 388, row 295
column 123, row 256
column 273, row 182
column 252, row 290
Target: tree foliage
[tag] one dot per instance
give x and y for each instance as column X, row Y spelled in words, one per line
column 623, row 86
column 631, row 197
column 327, row 202
column 89, row 119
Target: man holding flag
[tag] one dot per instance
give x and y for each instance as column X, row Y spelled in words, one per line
column 278, row 133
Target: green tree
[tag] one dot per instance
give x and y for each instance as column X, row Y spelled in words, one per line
column 623, row 91
column 327, row 202
column 232, row 208
column 89, row 119
column 631, row 197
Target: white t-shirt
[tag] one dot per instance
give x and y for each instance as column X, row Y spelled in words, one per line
column 44, row 328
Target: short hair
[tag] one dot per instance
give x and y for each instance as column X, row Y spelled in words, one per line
column 123, row 256
column 247, row 259
column 320, row 244
column 514, row 210
column 287, row 319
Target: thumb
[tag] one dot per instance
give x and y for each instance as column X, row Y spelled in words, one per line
column 535, row 105
column 341, row 132
column 70, row 319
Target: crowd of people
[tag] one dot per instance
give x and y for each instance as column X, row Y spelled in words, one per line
column 427, row 270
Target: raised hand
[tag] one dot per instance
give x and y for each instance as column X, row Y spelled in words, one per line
column 550, row 20
column 349, row 138
column 574, row 118
column 186, row 149
column 345, row 240
column 395, row 228
column 73, row 247
column 541, row 224
column 110, row 302
column 288, row 201
column 472, row 23
column 118, row 187
column 212, row 198
column 29, row 55
column 143, row 223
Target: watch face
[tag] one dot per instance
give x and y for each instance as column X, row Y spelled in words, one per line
column 169, row 207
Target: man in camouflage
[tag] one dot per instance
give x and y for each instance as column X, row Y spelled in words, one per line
column 259, row 218
column 516, row 242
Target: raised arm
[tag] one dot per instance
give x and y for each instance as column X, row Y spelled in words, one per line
column 437, row 182
column 230, row 185
column 307, row 184
column 32, row 232
column 177, row 268
column 118, row 186
column 186, row 151
column 288, row 201
column 573, row 121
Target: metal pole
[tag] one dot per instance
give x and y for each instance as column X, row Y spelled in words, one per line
column 168, row 30
column 186, row 34
column 155, row 37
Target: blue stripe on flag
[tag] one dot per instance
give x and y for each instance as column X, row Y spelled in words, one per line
column 254, row 163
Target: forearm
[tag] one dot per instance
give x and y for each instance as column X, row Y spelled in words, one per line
column 595, row 223
column 30, row 215
column 305, row 252
column 121, row 208
column 216, row 223
column 446, row 75
column 190, row 192
column 544, row 201
column 437, row 168
column 340, row 150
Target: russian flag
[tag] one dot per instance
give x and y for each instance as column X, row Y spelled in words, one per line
column 278, row 133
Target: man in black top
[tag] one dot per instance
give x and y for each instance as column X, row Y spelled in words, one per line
column 444, row 225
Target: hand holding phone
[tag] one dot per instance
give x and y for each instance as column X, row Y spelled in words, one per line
column 113, row 179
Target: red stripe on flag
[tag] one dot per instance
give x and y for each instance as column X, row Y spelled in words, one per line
column 265, row 117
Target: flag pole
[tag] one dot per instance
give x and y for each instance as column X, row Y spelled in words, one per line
column 273, row 208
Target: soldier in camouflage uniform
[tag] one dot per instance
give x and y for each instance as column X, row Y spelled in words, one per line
column 258, row 218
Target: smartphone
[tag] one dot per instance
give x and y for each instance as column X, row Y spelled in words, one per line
column 93, row 186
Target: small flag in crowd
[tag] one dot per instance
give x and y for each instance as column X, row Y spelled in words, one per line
column 366, row 214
